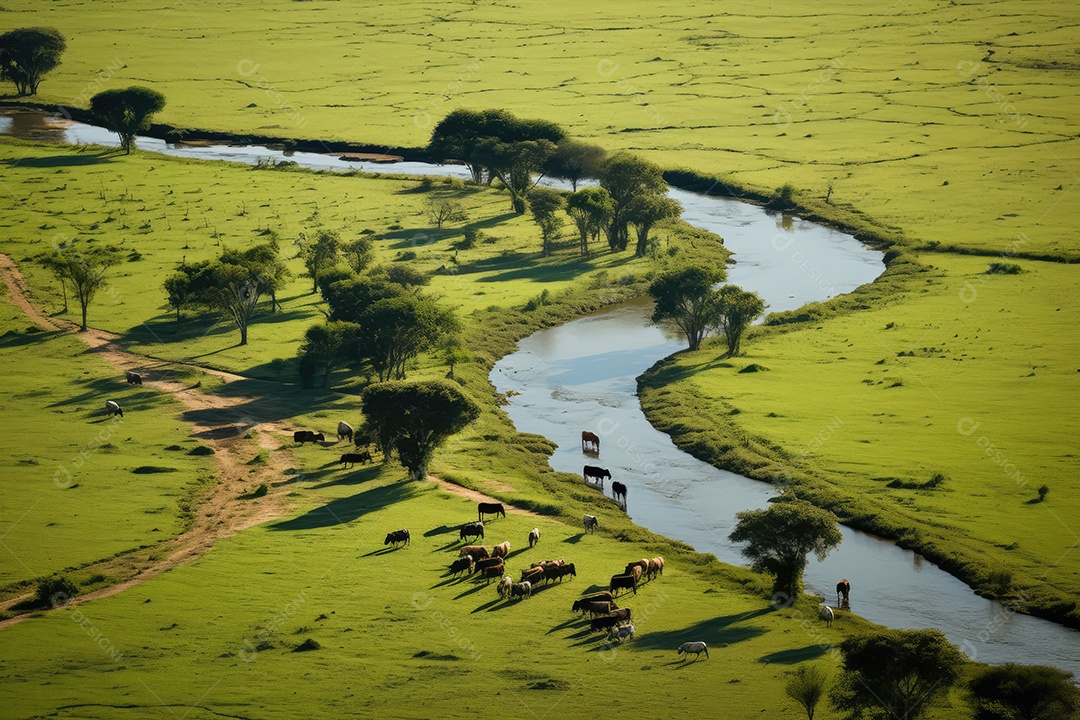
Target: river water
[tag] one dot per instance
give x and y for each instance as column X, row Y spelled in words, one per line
column 582, row 375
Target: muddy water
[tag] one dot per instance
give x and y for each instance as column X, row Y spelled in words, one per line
column 583, row 375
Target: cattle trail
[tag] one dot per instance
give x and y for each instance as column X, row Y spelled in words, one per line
column 222, row 511
column 479, row 497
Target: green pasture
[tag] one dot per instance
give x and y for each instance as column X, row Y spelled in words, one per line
column 79, row 487
column 963, row 373
column 938, row 122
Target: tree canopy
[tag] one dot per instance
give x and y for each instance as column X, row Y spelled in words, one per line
column 590, row 208
column 779, row 538
column 736, row 309
column 394, row 330
column 319, row 253
column 81, row 269
column 685, row 296
column 414, row 418
column 807, row 686
column 628, row 177
column 27, row 54
column 545, row 205
column 645, row 211
column 127, row 111
column 574, row 160
column 1025, row 692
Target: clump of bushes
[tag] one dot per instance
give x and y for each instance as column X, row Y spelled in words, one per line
column 56, row 590
column 783, row 198
column 544, row 298
column 1003, row 268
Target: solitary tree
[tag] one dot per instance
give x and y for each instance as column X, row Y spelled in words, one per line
column 444, row 209
column 1025, row 692
column 415, row 418
column 126, row 112
column 627, row 177
column 235, row 290
column 574, row 160
column 779, row 539
column 26, row 54
column 546, row 205
column 896, row 673
column 264, row 260
column 645, row 211
column 590, row 208
column 736, row 309
column 807, row 686
column 686, row 297
column 397, row 329
column 82, row 270
column 319, row 253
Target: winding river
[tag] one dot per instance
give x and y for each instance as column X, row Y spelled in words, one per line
column 583, row 375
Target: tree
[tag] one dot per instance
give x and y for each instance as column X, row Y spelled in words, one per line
column 1025, row 692
column 806, row 686
column 319, row 253
column 178, row 291
column 81, row 270
column 407, row 276
column 126, row 112
column 686, row 297
column 574, row 160
column 736, row 309
column 627, row 177
column 397, row 329
column 235, row 289
column 644, row 211
column 349, row 298
column 444, row 209
column 323, row 348
column 545, row 205
column 779, row 538
column 359, row 253
column 515, row 164
column 26, row 54
column 415, row 418
column 896, row 673
column 265, row 261
column 590, row 208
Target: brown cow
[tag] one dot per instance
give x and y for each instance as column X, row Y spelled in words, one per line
column 532, row 575
column 590, row 441
column 501, row 550
column 656, row 567
column 495, row 571
column 476, row 552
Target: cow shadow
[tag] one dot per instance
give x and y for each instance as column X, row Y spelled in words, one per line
column 572, row 622
column 448, row 546
column 477, row 587
column 352, row 477
column 441, row 530
column 716, row 632
column 347, row 509
column 574, row 539
column 381, row 551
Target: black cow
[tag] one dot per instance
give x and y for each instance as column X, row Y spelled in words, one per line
column 473, row 530
column 596, row 474
column 604, row 622
column 582, row 604
column 562, row 571
column 490, row 509
column 623, row 582
column 133, row 378
column 353, row 458
column 398, row 536
column 618, row 490
column 465, row 563
column 843, row 590
column 303, row 436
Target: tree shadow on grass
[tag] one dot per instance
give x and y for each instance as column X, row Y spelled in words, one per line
column 347, row 509
column 354, row 477
column 797, row 655
column 716, row 632
column 55, row 161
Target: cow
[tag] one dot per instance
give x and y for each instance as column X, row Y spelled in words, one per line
column 476, row 552
column 826, row 614
column 484, row 508
column 693, row 647
column 622, row 582
column 656, row 567
column 484, row 563
column 521, row 590
column 501, row 550
column 353, row 458
column 582, row 604
column 398, row 536
column 504, row 586
column 618, row 490
column 843, row 589
column 590, row 440
column 591, row 523
column 113, row 408
column 634, row 571
column 303, row 436
column 624, row 632
column 623, row 614
column 133, row 378
column 563, row 570
column 495, row 571
column 473, row 530
column 344, row 431
column 556, row 561
column 599, row 607
column 596, row 475
column 462, row 563
column 534, row 537
column 533, row 575
column 643, row 564
column 604, row 622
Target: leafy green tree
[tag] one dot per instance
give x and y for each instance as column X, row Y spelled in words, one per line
column 407, row 276
column 81, row 269
column 319, row 253
column 265, row 261
column 645, row 211
column 359, row 253
column 1025, row 692
column 627, row 177
column 26, row 54
column 349, row 298
column 686, row 297
column 324, row 347
column 574, row 160
column 896, row 673
column 442, row 210
column 235, row 290
column 515, row 164
column 127, row 111
column 807, row 686
column 179, row 292
column 455, row 138
column 736, row 309
column 546, row 206
column 415, row 418
column 779, row 539
column 590, row 208
column 397, row 329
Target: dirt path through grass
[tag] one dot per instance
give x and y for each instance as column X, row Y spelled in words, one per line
column 224, row 508
column 480, row 497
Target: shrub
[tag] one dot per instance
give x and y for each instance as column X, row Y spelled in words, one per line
column 1043, row 491
column 405, row 255
column 472, row 236
column 1003, row 268
column 544, row 298
column 783, row 198
column 261, row 490
column 56, row 590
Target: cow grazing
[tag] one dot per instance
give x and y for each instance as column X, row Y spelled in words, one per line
column 462, row 564
column 590, row 441
column 622, row 582
column 489, row 509
column 501, row 550
column 495, row 571
column 533, row 575
column 695, row 648
column 303, row 436
column 556, row 561
column 618, row 492
column 563, row 570
column 635, row 572
column 624, row 632
column 485, row 563
column 595, row 475
column 471, row 530
column 656, row 567
column 599, row 607
column 113, row 408
column 344, row 431
column 843, row 589
column 521, row 590
column 534, row 537
column 643, row 564
column 133, row 378
column 582, row 604
column 591, row 523
column 504, row 586
column 396, row 537
column 605, row 622
column 353, row 458
column 826, row 614
column 476, row 552
column 623, row 614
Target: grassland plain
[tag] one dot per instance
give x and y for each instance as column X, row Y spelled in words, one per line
column 930, row 121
